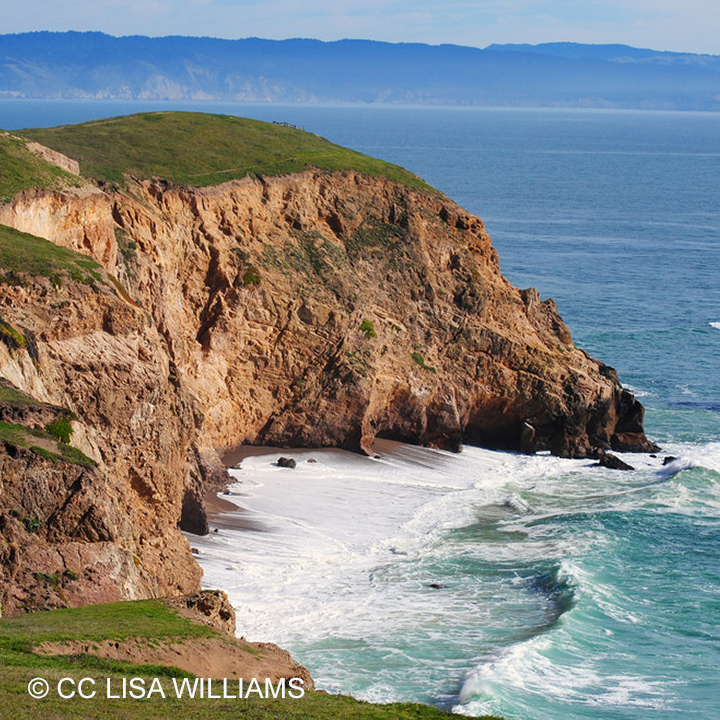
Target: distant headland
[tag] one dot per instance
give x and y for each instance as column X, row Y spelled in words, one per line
column 93, row 65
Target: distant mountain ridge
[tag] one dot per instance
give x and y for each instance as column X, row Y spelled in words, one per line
column 612, row 53
column 94, row 65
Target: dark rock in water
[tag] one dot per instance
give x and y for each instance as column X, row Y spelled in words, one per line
column 286, row 462
column 669, row 459
column 312, row 460
column 608, row 460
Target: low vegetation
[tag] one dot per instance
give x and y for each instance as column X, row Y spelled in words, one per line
column 11, row 337
column 10, row 395
column 43, row 443
column 22, row 253
column 196, row 149
column 155, row 622
column 61, row 428
column 368, row 328
column 21, row 169
column 251, row 276
column 420, row 360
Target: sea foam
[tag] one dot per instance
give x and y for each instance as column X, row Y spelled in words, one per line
column 419, row 573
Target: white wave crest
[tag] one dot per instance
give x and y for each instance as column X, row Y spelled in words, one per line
column 509, row 682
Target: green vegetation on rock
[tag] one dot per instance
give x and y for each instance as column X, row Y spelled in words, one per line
column 21, row 169
column 24, row 253
column 155, row 622
column 196, row 149
column 61, row 428
column 112, row 621
column 251, row 276
column 13, row 339
column 368, row 328
column 420, row 360
column 42, row 443
column 10, row 395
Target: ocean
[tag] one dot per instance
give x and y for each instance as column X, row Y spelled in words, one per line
column 486, row 582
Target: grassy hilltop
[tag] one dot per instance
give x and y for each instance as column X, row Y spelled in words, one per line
column 201, row 150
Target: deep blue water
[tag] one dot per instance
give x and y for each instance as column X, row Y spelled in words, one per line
column 597, row 596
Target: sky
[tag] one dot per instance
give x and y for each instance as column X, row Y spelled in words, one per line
column 677, row 25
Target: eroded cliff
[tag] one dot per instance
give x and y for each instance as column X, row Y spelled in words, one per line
column 74, row 533
column 315, row 309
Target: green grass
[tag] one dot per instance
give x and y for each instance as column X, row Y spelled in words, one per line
column 61, row 428
column 12, row 396
column 196, row 149
column 42, row 452
column 24, row 253
column 251, row 277
column 12, row 337
column 56, row 433
column 113, row 621
column 367, row 327
column 420, row 360
column 155, row 622
column 21, row 169
column 26, row 437
column 75, row 456
column 17, row 434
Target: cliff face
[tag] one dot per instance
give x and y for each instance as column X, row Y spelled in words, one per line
column 313, row 309
column 73, row 534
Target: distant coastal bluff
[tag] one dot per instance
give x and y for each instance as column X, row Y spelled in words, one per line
column 193, row 299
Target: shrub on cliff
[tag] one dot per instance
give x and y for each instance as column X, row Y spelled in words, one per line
column 61, row 428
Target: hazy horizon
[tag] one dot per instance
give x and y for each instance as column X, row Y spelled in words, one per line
column 688, row 27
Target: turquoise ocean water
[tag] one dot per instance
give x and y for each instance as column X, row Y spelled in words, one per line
column 489, row 582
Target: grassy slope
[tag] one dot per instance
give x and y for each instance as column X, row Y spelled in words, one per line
column 24, row 253
column 202, row 150
column 21, row 169
column 154, row 621
column 43, row 443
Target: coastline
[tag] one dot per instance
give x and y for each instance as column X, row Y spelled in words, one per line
column 469, row 566
column 331, row 527
column 509, row 517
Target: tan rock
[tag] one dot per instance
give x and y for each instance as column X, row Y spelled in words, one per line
column 311, row 310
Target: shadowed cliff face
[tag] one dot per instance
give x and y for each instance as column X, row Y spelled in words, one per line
column 310, row 310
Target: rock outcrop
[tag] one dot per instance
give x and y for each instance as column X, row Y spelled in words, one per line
column 215, row 656
column 73, row 533
column 315, row 309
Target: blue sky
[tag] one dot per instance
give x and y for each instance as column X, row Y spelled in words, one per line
column 680, row 25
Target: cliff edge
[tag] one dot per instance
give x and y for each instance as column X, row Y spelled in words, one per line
column 304, row 301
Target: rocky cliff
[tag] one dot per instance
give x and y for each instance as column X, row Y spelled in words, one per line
column 312, row 309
